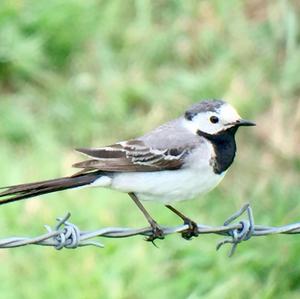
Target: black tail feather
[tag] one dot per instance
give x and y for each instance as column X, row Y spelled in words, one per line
column 23, row 191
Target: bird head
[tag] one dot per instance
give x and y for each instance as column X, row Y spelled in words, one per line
column 212, row 117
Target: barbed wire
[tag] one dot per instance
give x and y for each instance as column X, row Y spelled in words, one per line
column 67, row 235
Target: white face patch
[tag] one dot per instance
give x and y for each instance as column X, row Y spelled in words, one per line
column 206, row 121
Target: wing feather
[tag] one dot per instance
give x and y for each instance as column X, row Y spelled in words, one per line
column 132, row 155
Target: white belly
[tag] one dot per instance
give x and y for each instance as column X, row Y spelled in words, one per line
column 196, row 178
column 167, row 186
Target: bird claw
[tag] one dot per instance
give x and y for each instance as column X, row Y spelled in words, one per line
column 157, row 233
column 192, row 230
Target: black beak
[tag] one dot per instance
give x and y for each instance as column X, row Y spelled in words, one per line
column 243, row 122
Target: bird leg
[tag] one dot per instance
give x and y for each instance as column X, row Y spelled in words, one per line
column 192, row 231
column 157, row 232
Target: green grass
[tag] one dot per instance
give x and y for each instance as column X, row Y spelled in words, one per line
column 87, row 73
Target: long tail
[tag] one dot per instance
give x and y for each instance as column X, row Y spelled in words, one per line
column 18, row 192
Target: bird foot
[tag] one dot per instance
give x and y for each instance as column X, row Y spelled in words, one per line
column 157, row 233
column 192, row 231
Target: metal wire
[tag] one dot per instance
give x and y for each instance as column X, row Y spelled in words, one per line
column 68, row 235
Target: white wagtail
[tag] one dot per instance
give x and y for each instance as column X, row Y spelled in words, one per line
column 179, row 160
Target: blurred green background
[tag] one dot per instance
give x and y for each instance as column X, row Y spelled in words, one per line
column 87, row 73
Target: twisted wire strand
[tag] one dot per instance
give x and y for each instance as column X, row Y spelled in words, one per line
column 68, row 235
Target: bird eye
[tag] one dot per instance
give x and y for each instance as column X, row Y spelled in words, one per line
column 214, row 119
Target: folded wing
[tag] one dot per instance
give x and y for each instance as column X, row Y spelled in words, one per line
column 132, row 155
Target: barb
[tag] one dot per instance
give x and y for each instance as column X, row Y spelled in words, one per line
column 68, row 235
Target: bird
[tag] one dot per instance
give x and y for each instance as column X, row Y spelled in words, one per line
column 179, row 160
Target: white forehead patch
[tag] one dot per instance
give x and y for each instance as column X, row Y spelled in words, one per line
column 228, row 114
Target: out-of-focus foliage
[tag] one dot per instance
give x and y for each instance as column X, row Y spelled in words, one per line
column 81, row 73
